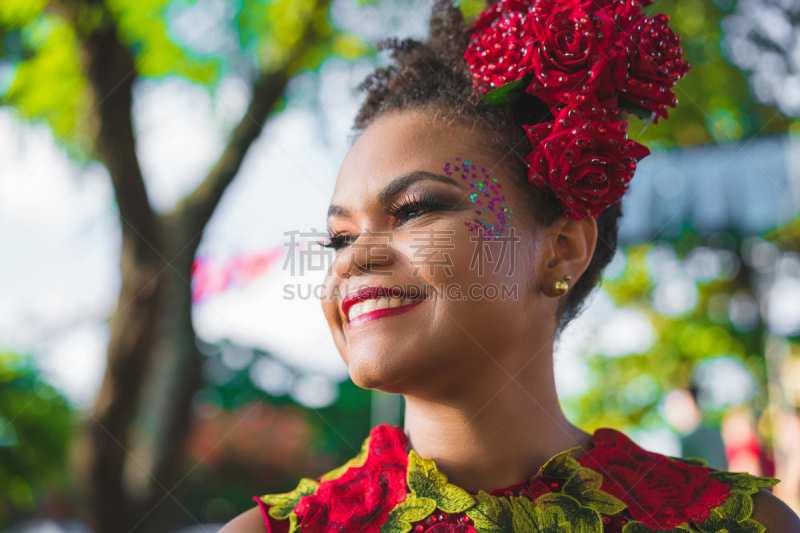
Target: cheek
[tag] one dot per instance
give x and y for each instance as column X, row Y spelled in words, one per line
column 503, row 263
column 331, row 299
column 493, row 296
column 329, row 303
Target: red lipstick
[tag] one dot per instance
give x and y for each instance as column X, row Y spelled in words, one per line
column 373, row 293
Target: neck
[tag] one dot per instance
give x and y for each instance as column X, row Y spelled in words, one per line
column 496, row 433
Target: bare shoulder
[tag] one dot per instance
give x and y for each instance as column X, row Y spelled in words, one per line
column 775, row 515
column 250, row 521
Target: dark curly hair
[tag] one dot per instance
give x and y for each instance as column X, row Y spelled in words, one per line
column 434, row 75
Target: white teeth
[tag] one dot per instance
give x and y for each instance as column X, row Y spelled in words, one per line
column 367, row 306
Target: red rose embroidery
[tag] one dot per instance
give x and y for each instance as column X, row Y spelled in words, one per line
column 576, row 51
column 585, row 159
column 655, row 64
column 360, row 500
column 659, row 492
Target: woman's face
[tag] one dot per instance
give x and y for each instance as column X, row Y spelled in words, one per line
column 418, row 301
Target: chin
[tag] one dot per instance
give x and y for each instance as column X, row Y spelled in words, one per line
column 375, row 368
column 420, row 366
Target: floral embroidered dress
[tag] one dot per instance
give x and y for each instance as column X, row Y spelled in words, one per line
column 615, row 486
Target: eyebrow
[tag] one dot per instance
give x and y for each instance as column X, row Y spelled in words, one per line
column 397, row 186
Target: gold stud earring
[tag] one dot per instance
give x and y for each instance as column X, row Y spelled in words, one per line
column 561, row 287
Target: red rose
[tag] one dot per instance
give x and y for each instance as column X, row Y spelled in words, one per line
column 577, row 51
column 502, row 51
column 360, row 500
column 654, row 57
column 585, row 159
column 580, row 53
column 659, row 492
column 497, row 10
column 597, row 5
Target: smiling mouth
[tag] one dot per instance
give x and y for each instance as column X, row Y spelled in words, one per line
column 371, row 303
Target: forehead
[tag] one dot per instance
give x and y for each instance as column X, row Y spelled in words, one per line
column 401, row 142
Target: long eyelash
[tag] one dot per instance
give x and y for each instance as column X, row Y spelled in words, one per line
column 335, row 240
column 398, row 209
column 404, row 205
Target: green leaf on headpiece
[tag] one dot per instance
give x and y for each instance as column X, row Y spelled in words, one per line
column 506, row 95
column 646, row 115
column 639, row 111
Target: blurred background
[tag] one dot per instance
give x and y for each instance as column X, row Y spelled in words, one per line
column 165, row 169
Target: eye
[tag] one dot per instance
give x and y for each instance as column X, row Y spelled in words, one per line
column 413, row 207
column 337, row 241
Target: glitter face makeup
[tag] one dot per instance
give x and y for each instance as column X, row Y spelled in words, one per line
column 492, row 211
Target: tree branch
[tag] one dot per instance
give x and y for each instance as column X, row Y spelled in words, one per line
column 198, row 207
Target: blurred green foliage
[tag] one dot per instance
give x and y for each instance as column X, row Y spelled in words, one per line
column 144, row 26
column 335, row 433
column 626, row 391
column 271, row 30
column 715, row 103
column 35, row 427
column 41, row 50
column 341, row 426
column 45, row 79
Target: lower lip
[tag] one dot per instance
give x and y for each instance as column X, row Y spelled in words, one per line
column 381, row 313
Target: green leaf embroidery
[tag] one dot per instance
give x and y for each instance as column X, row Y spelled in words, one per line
column 507, row 94
column 638, row 527
column 694, row 461
column 582, row 519
column 733, row 516
column 412, row 509
column 356, row 461
column 284, row 504
column 560, row 466
column 425, row 481
column 492, row 514
column 742, row 482
column 531, row 518
column 584, row 487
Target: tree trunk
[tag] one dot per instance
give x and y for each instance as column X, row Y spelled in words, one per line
column 154, row 306
column 111, row 71
column 181, row 380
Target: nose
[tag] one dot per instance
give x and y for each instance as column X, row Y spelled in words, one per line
column 370, row 253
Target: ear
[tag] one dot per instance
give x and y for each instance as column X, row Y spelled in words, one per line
column 567, row 250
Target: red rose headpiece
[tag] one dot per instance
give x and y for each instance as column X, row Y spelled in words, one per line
column 585, row 60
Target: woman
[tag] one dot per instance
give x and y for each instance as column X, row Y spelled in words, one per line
column 469, row 229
